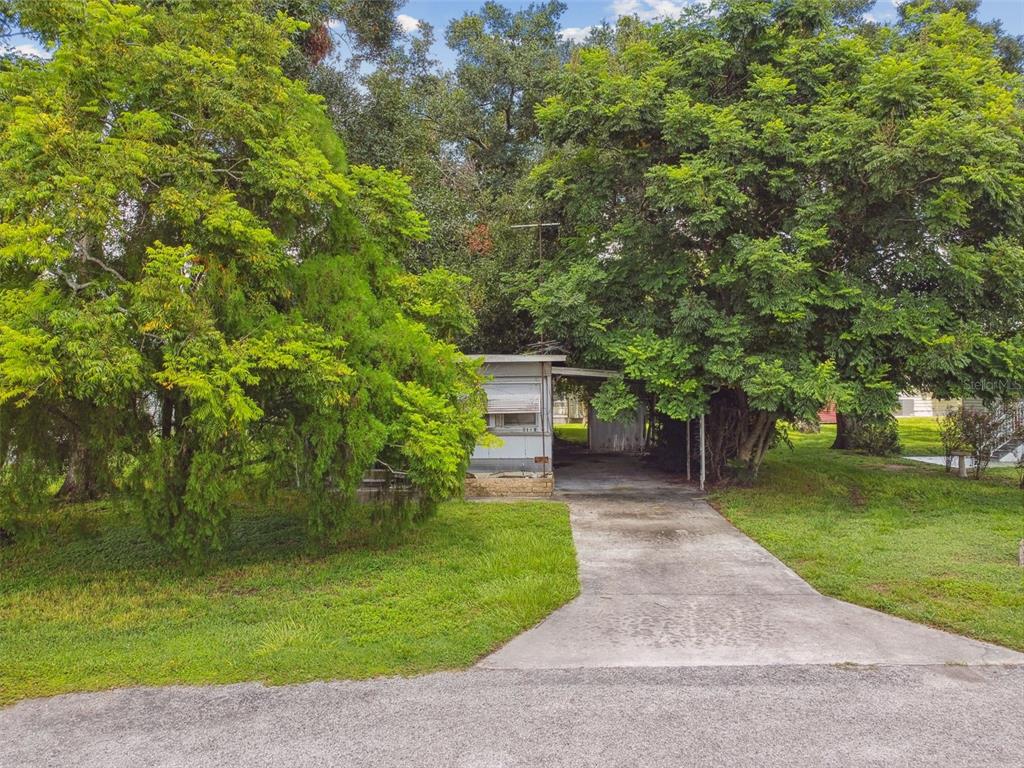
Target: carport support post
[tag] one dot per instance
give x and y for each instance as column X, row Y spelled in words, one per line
column 689, row 423
column 702, row 471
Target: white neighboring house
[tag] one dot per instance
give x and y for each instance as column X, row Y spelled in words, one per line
column 568, row 409
column 1008, row 447
column 519, row 412
column 923, row 404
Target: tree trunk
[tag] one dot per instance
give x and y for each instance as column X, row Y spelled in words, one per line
column 80, row 478
column 737, row 433
column 733, row 433
column 842, row 441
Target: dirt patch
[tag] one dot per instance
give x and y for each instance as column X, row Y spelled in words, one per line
column 857, row 497
column 880, row 588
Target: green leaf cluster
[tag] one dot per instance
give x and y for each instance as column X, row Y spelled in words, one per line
column 768, row 205
column 197, row 292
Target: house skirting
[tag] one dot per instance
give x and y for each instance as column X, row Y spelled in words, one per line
column 500, row 486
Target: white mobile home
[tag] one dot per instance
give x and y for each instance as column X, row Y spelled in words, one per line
column 519, row 412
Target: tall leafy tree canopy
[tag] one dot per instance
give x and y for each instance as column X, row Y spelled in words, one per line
column 766, row 206
column 505, row 61
column 197, row 292
column 466, row 138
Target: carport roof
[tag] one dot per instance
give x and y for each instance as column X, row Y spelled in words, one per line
column 584, row 373
column 521, row 358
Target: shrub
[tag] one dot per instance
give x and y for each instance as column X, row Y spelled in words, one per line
column 975, row 430
column 876, row 434
column 951, row 436
column 806, row 426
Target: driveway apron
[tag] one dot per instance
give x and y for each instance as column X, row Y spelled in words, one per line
column 666, row 581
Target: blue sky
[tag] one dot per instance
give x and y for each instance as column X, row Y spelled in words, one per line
column 584, row 13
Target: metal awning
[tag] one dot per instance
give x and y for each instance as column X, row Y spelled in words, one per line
column 513, row 397
column 519, row 358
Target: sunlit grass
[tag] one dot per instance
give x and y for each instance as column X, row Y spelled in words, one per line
column 919, row 436
column 572, row 433
column 93, row 604
column 900, row 537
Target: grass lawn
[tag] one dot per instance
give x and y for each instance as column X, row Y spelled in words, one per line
column 919, row 436
column 903, row 538
column 98, row 606
column 572, row 433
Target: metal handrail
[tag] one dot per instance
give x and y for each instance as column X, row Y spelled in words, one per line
column 1011, row 423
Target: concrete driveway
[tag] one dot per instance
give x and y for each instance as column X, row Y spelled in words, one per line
column 666, row 581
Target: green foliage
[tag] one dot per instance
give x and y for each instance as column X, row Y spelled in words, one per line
column 465, row 140
column 766, row 206
column 976, row 431
column 438, row 298
column 878, row 435
column 614, row 401
column 25, row 490
column 504, row 59
column 188, row 263
column 950, row 436
column 436, row 437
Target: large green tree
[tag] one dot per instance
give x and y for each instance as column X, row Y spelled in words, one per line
column 766, row 205
column 506, row 62
column 466, row 139
column 197, row 291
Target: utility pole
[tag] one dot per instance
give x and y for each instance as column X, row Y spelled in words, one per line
column 540, row 228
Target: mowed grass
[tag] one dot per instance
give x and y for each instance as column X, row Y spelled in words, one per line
column 903, row 538
column 572, row 433
column 919, row 436
column 96, row 605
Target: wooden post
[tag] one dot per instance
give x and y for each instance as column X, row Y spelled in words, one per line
column 961, row 464
column 702, row 468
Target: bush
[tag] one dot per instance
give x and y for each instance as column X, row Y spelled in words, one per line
column 878, row 435
column 806, row 426
column 951, row 436
column 975, row 431
column 26, row 490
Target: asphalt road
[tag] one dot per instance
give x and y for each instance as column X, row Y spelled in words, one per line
column 803, row 716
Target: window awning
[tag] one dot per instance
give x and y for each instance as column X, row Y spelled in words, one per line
column 513, row 398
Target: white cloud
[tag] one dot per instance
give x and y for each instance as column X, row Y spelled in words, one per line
column 33, row 50
column 648, row 10
column 407, row 23
column 575, row 34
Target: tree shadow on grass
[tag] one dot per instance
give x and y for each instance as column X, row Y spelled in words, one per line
column 77, row 544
